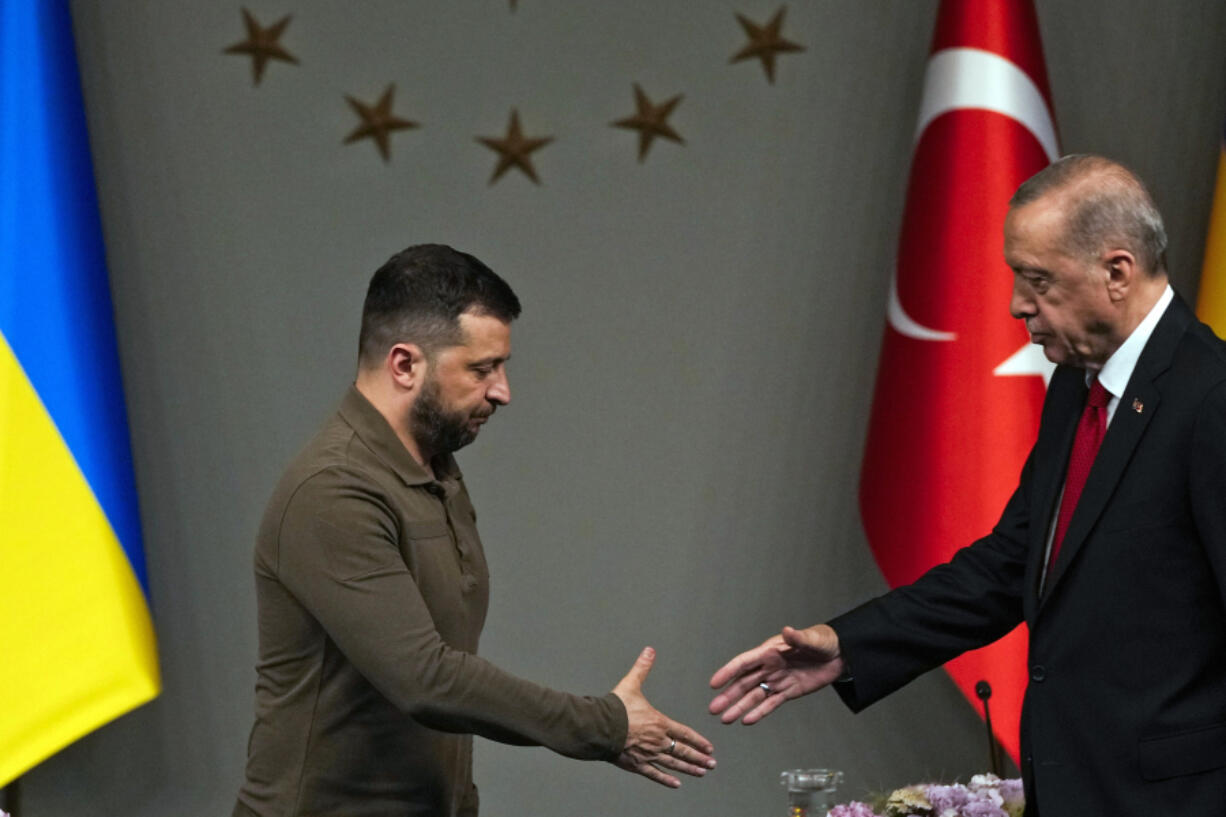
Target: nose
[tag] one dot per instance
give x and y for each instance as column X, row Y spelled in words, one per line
column 499, row 392
column 1021, row 302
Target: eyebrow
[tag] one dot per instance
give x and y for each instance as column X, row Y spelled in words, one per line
column 1031, row 271
column 487, row 361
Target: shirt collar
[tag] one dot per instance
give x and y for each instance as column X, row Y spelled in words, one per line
column 1117, row 371
column 373, row 428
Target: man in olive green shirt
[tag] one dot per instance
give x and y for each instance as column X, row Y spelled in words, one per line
column 373, row 588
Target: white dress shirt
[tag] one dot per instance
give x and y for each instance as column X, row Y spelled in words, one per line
column 1117, row 371
column 1114, row 376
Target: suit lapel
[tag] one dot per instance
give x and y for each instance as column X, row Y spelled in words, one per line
column 1123, row 434
column 1068, row 395
column 1137, row 407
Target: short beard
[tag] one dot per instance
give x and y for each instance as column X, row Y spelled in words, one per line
column 434, row 429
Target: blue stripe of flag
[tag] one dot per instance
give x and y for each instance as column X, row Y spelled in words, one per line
column 55, row 304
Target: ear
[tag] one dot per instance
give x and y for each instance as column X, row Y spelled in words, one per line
column 1122, row 272
column 407, row 365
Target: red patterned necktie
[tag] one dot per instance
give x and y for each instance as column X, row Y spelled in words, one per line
column 1090, row 432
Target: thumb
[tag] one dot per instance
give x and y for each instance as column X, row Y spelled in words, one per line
column 797, row 638
column 819, row 639
column 642, row 665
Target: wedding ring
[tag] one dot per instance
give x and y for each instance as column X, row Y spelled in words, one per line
column 671, row 746
column 765, row 688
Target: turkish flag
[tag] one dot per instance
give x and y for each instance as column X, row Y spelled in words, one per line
column 960, row 388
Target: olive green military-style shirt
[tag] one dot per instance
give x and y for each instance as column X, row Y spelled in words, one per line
column 372, row 590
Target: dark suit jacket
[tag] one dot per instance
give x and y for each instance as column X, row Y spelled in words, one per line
column 1125, row 712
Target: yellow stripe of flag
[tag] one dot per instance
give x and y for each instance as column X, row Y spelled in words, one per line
column 1211, row 302
column 78, row 644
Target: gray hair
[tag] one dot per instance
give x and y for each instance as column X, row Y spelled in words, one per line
column 1106, row 203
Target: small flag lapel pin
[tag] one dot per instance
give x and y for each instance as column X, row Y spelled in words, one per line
column 1137, row 405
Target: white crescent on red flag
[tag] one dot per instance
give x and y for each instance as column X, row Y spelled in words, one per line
column 959, row 387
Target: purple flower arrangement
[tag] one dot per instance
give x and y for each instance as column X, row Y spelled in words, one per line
column 985, row 796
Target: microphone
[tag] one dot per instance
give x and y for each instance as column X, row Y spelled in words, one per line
column 983, row 690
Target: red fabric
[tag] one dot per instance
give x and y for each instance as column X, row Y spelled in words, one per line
column 947, row 437
column 1008, row 28
column 1090, row 430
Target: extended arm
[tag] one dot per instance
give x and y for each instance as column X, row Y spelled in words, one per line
column 340, row 559
column 967, row 602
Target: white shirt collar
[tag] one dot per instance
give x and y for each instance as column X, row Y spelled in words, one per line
column 1117, row 371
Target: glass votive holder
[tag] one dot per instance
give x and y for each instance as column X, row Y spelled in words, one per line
column 810, row 790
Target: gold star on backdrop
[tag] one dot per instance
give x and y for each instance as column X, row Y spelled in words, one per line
column 377, row 121
column 261, row 44
column 765, row 42
column 514, row 150
column 650, row 121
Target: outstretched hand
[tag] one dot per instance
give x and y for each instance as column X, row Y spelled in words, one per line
column 786, row 666
column 656, row 744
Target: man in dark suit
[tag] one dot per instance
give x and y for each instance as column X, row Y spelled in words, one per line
column 1112, row 549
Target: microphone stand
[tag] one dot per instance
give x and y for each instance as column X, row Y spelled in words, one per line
column 983, row 690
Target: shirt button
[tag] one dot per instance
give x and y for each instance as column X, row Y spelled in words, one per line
column 1038, row 673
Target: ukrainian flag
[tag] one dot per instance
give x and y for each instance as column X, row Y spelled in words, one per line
column 1211, row 302
column 76, row 641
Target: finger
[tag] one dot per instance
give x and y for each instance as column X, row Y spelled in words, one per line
column 733, row 707
column 749, row 695
column 688, row 739
column 740, row 707
column 743, row 687
column 748, row 661
column 674, row 762
column 745, row 662
column 768, row 704
column 661, row 777
column 690, row 758
column 727, row 705
column 749, row 683
column 642, row 665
